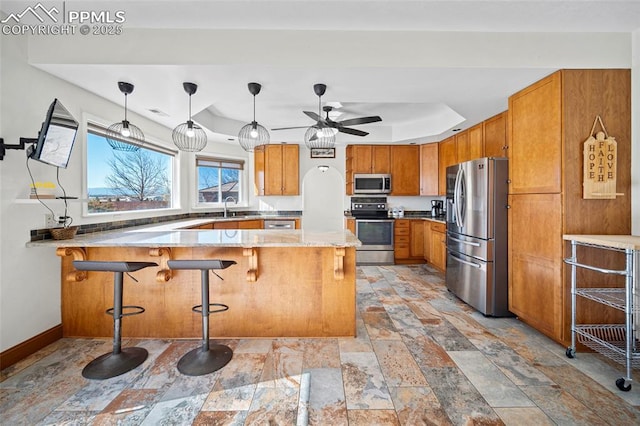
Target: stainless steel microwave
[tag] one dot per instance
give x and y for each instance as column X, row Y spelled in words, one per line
column 371, row 183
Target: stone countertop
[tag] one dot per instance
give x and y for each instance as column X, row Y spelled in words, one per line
column 152, row 237
column 189, row 223
column 625, row 242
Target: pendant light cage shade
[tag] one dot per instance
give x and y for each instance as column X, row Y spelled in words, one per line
column 124, row 136
column 188, row 136
column 253, row 134
column 117, row 132
column 319, row 137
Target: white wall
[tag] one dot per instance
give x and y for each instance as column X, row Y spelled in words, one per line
column 29, row 284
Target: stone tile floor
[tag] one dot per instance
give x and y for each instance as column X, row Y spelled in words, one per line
column 421, row 357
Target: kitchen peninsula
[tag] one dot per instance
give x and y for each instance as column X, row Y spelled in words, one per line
column 286, row 283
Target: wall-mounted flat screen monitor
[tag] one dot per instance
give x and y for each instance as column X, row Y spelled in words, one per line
column 56, row 137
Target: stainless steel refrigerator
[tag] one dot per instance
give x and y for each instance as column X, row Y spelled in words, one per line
column 476, row 215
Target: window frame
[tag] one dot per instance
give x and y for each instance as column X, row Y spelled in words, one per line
column 242, row 186
column 97, row 127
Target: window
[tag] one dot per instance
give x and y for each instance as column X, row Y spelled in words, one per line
column 219, row 178
column 127, row 181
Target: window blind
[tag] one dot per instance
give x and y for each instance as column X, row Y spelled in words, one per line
column 223, row 163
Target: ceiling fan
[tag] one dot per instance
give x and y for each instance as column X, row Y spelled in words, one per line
column 327, row 122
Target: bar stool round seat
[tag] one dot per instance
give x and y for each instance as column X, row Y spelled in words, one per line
column 119, row 360
column 208, row 357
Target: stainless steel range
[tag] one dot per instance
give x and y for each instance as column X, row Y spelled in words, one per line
column 374, row 229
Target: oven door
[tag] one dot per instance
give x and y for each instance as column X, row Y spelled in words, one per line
column 375, row 234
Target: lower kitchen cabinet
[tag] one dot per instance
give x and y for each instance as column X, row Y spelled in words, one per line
column 416, row 248
column 350, row 224
column 535, row 261
column 438, row 251
column 401, row 239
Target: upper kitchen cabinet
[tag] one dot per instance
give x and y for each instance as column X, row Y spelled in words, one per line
column 462, row 146
column 535, row 148
column 366, row 159
column 429, row 169
column 405, row 170
column 447, row 156
column 475, row 143
column 548, row 124
column 277, row 170
column 495, row 136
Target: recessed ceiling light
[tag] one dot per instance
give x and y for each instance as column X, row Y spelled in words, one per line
column 230, row 139
column 456, row 130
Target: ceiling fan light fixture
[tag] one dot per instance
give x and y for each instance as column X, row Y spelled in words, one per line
column 124, row 129
column 253, row 135
column 188, row 136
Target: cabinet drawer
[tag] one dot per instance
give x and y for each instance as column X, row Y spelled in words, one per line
column 401, row 251
column 438, row 227
column 404, row 239
column 401, row 231
column 401, row 223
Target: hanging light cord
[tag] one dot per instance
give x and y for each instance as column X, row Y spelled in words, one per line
column 125, row 107
column 254, row 108
column 189, row 107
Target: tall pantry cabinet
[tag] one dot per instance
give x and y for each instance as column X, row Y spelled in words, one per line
column 548, row 123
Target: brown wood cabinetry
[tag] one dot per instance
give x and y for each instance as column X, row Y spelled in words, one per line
column 408, row 240
column 462, row 146
column 350, row 224
column 548, row 124
column 447, row 156
column 401, row 239
column 438, row 249
column 426, row 242
column 475, row 142
column 535, row 151
column 495, row 136
column 405, row 170
column 429, row 169
column 366, row 159
column 416, row 248
column 277, row 170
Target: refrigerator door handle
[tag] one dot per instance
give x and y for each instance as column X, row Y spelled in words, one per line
column 464, row 242
column 472, row 264
column 456, row 198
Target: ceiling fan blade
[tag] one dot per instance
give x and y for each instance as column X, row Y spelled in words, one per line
column 314, row 116
column 287, row 128
column 354, row 132
column 360, row 120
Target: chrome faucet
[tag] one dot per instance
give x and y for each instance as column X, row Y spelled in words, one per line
column 225, row 204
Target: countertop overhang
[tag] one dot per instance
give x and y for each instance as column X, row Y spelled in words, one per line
column 166, row 237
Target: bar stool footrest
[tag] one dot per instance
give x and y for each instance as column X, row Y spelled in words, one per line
column 111, row 365
column 221, row 308
column 138, row 310
column 200, row 361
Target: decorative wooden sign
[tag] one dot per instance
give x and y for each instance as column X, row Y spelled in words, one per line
column 600, row 165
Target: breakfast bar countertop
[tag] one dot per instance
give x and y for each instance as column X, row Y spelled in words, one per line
column 624, row 242
column 151, row 237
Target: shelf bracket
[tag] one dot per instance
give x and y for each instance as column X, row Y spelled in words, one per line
column 164, row 253
column 78, row 253
column 338, row 263
column 252, row 273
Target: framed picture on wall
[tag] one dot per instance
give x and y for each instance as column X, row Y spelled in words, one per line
column 323, row 153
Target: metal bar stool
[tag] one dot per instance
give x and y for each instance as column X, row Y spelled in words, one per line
column 207, row 358
column 120, row 360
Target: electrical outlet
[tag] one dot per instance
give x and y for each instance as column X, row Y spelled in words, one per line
column 50, row 220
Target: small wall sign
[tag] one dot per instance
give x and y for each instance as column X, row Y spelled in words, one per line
column 600, row 164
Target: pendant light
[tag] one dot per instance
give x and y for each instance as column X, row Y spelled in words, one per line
column 188, row 136
column 124, row 136
column 253, row 134
column 320, row 135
